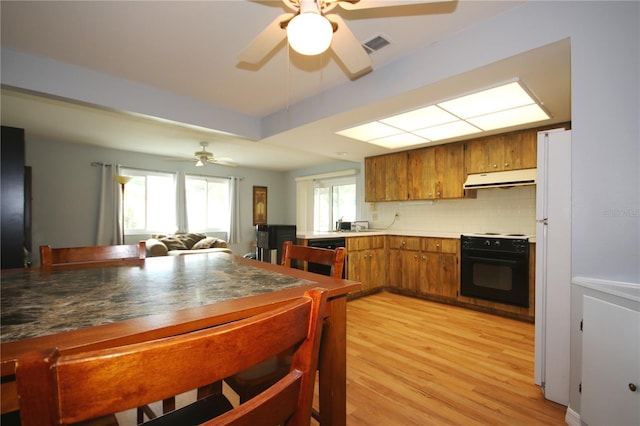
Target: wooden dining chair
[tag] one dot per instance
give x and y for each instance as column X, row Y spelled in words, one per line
column 55, row 388
column 251, row 382
column 321, row 256
column 52, row 258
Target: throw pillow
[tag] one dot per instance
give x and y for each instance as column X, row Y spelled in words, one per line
column 219, row 243
column 189, row 239
column 173, row 243
column 204, row 243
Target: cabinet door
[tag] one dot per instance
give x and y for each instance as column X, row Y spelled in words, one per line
column 394, row 278
column 448, row 275
column 478, row 156
column 354, row 266
column 421, row 170
column 410, row 271
column 520, row 151
column 377, row 263
column 610, row 364
column 396, row 176
column 375, row 179
column 449, row 171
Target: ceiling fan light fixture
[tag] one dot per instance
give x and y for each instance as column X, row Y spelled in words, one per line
column 200, row 163
column 310, row 33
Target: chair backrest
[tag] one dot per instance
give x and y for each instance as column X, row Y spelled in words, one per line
column 54, row 388
column 51, row 258
column 321, row 256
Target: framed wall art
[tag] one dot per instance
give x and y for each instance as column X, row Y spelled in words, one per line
column 259, row 205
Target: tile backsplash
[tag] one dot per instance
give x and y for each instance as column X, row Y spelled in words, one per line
column 504, row 210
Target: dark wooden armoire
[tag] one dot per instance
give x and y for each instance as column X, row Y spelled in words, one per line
column 15, row 198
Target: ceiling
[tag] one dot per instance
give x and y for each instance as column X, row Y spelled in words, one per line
column 189, row 48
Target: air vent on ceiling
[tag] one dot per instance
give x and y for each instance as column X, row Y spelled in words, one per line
column 375, row 44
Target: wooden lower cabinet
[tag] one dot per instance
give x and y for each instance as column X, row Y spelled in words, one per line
column 440, row 256
column 427, row 266
column 367, row 262
column 404, row 263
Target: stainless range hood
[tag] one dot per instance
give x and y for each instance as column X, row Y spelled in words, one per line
column 501, row 179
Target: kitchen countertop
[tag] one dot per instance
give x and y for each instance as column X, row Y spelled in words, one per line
column 312, row 235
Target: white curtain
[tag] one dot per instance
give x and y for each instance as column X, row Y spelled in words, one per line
column 234, row 200
column 109, row 232
column 181, row 204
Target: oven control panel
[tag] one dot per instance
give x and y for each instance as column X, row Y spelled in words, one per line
column 510, row 245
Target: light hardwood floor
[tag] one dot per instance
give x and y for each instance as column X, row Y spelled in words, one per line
column 416, row 362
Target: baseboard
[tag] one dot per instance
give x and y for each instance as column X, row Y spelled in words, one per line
column 572, row 418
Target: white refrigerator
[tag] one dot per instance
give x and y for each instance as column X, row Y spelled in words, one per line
column 553, row 264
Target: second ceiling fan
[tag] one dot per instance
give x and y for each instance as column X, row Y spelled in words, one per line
column 311, row 30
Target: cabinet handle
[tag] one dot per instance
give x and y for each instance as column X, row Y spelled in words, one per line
column 633, row 387
column 506, row 164
column 495, row 166
column 438, row 245
column 424, row 257
column 415, row 256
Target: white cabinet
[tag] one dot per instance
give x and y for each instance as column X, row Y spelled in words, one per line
column 610, row 363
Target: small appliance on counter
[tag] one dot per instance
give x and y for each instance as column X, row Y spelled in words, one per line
column 359, row 225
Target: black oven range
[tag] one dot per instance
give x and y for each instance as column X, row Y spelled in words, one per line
column 495, row 267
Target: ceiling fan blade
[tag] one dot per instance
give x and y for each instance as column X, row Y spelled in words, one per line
column 189, row 159
column 372, row 4
column 348, row 49
column 266, row 41
column 223, row 162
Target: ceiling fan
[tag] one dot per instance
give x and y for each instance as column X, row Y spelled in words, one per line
column 204, row 157
column 310, row 30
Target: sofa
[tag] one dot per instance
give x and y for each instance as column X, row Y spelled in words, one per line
column 184, row 243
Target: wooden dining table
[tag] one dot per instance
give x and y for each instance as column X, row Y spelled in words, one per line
column 97, row 307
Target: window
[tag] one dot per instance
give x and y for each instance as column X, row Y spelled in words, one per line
column 333, row 199
column 149, row 202
column 208, row 208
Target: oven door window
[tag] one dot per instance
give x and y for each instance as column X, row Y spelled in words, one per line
column 501, row 280
column 489, row 275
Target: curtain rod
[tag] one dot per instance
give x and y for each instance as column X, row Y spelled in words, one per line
column 98, row 164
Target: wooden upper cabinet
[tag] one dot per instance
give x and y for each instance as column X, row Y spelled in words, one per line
column 386, row 177
column 449, row 171
column 436, row 172
column 396, row 176
column 421, row 174
column 509, row 151
column 375, row 179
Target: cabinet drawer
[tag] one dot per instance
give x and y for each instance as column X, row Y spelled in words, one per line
column 441, row 245
column 404, row 243
column 365, row 243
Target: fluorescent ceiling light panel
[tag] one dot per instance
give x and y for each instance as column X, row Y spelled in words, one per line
column 420, row 118
column 511, row 117
column 399, row 141
column 447, row 131
column 509, row 96
column 373, row 130
column 504, row 106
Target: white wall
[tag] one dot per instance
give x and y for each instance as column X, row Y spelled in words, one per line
column 605, row 56
column 66, row 187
